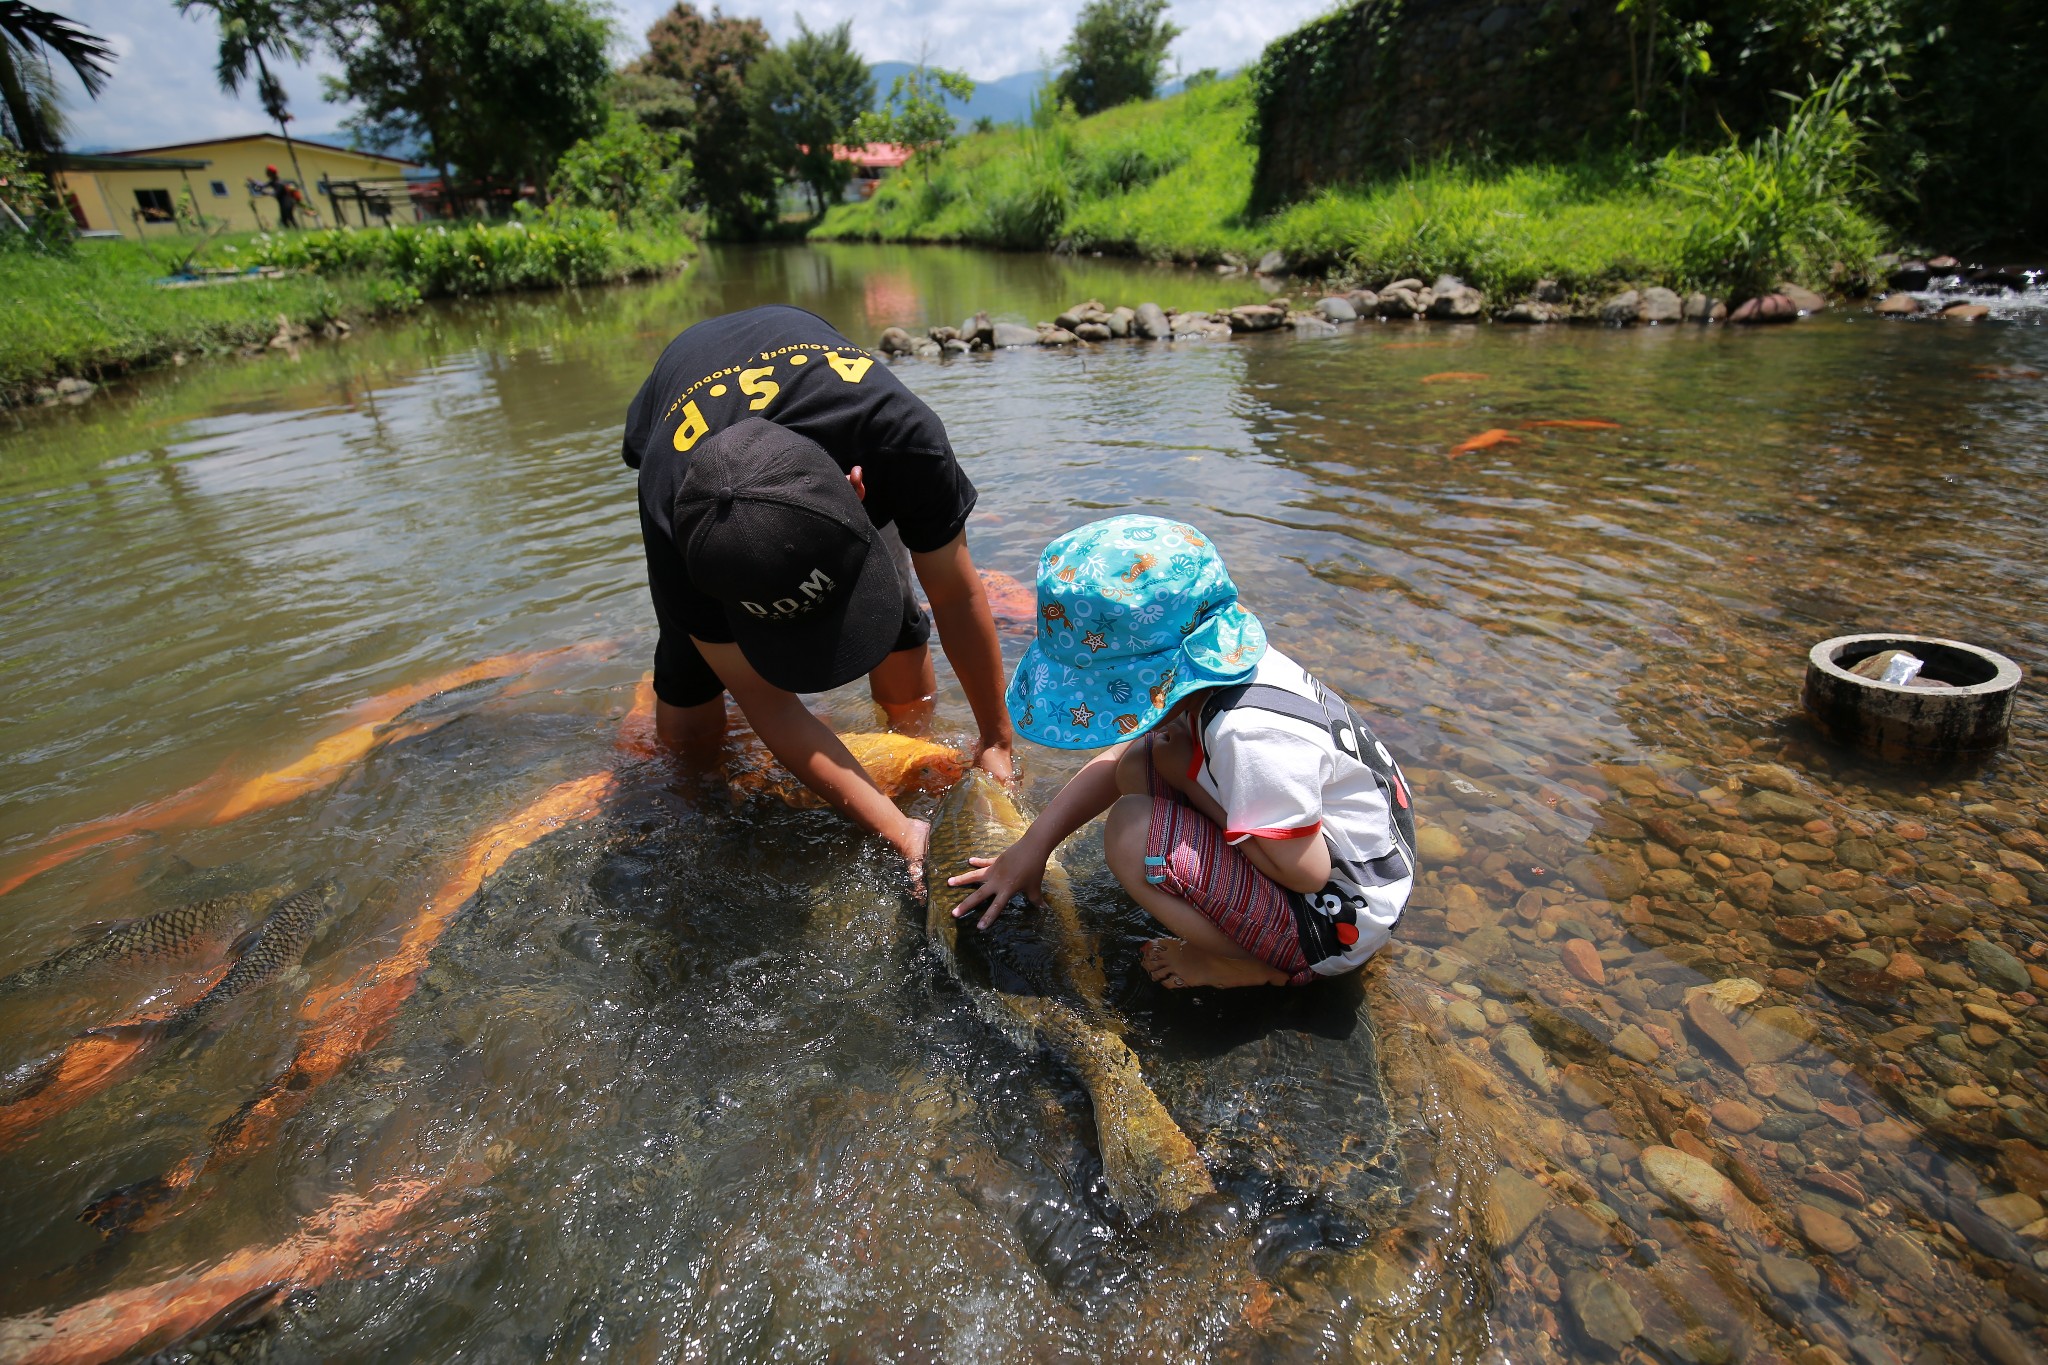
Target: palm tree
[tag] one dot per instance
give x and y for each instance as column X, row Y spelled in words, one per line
column 29, row 115
column 252, row 34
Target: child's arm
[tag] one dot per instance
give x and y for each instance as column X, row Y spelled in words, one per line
column 1021, row 867
column 1301, row 865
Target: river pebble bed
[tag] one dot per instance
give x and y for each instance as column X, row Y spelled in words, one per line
column 1756, row 1028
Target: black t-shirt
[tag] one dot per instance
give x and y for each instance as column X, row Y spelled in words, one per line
column 796, row 370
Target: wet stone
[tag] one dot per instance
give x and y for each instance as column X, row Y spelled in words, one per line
column 1579, row 1228
column 1636, row 1045
column 1582, row 960
column 1997, row 968
column 1435, row 844
column 1824, row 1231
column 1771, row 805
column 1905, row 1257
column 1790, row 1277
column 1603, row 1309
column 2001, row 1344
column 1604, row 877
column 1523, row 1053
column 2013, row 1211
column 1519, row 1201
column 1690, row 1183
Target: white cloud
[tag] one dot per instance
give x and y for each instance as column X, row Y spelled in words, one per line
column 163, row 90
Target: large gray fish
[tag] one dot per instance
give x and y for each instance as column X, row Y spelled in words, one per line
column 167, row 934
column 276, row 945
column 1033, row 978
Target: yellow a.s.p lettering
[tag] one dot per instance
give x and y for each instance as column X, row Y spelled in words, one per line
column 851, row 368
column 758, row 384
column 693, row 428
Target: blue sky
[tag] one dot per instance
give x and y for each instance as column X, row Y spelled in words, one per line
column 163, row 89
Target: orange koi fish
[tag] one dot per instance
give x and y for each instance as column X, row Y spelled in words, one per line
column 89, row 1064
column 344, row 1020
column 332, row 1241
column 1014, row 605
column 1573, row 424
column 897, row 763
column 636, row 731
column 1496, row 437
column 1453, row 377
column 220, row 798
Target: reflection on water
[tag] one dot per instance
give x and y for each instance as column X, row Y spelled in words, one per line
column 684, row 1081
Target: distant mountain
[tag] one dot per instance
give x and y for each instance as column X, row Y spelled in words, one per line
column 1006, row 99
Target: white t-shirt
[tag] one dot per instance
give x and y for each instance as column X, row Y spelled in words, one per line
column 1285, row 777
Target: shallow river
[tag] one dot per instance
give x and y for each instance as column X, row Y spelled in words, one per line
column 681, row 1081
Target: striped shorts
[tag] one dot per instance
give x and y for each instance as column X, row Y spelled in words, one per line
column 1187, row 855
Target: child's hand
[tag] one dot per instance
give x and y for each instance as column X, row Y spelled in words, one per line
column 995, row 880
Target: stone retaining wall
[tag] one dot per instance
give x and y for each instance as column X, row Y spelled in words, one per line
column 1382, row 84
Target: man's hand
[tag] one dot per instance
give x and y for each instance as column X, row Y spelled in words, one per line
column 993, row 756
column 1019, row 870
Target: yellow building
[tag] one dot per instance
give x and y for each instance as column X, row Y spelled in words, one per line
column 227, row 180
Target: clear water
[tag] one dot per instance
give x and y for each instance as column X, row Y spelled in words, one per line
column 686, row 1082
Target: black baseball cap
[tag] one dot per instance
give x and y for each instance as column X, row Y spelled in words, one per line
column 769, row 526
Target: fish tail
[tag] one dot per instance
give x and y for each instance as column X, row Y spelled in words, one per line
column 1149, row 1163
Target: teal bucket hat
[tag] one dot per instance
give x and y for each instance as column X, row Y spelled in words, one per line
column 1134, row 613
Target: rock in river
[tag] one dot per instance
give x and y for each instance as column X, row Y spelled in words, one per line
column 1525, row 1055
column 1151, row 324
column 1690, row 1183
column 1603, row 1309
column 1604, row 878
column 1434, row 845
column 1335, row 309
column 1010, row 334
column 1825, row 1232
column 1997, row 968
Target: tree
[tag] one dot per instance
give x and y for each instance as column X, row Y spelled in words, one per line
column 252, row 33
column 915, row 114
column 734, row 172
column 626, row 169
column 29, row 114
column 1116, row 54
column 807, row 97
column 500, row 88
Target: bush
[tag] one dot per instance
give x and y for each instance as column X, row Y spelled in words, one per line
column 626, row 169
column 1784, row 206
column 564, row 246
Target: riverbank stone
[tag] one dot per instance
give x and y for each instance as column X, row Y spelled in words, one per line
column 1765, row 308
column 1660, row 305
column 1256, row 317
column 1010, row 334
column 896, row 341
column 1150, row 323
column 1455, row 301
column 1622, row 309
column 1804, row 299
column 1336, row 309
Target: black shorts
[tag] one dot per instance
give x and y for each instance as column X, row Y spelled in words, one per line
column 687, row 680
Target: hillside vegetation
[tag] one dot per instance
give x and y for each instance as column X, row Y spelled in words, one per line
column 1171, row 180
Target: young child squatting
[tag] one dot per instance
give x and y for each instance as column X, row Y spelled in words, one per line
column 1251, row 812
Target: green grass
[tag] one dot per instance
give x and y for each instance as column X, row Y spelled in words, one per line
column 97, row 310
column 1171, row 179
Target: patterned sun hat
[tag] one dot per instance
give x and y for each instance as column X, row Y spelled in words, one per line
column 1134, row 613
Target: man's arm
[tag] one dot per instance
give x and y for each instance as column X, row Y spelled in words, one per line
column 967, row 632
column 807, row 747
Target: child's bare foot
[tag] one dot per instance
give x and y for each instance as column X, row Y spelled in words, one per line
column 1177, row 965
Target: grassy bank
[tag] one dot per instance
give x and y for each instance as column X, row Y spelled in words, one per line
column 98, row 311
column 1170, row 180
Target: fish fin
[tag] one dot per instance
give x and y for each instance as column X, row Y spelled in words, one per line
column 151, row 1029
column 249, row 937
column 99, row 929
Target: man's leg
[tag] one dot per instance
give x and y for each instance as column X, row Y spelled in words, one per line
column 903, row 684
column 695, row 734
